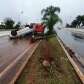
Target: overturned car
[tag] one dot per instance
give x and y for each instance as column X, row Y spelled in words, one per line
column 20, row 33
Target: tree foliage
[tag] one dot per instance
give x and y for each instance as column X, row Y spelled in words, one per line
column 68, row 25
column 17, row 26
column 78, row 22
column 50, row 17
column 9, row 24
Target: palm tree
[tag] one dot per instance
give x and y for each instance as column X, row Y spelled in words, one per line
column 50, row 17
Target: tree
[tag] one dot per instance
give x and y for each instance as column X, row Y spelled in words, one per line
column 9, row 23
column 82, row 20
column 68, row 25
column 17, row 26
column 78, row 22
column 2, row 26
column 74, row 23
column 50, row 17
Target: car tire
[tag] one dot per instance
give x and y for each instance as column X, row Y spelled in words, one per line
column 14, row 33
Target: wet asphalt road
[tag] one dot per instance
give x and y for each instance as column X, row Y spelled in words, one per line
column 10, row 50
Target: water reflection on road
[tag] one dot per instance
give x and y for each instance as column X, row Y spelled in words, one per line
column 11, row 49
column 76, row 44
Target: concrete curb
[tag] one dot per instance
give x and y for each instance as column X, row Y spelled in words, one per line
column 24, row 64
column 79, row 73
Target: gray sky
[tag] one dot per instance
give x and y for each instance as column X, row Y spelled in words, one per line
column 32, row 9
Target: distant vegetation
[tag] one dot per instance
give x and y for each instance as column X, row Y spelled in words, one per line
column 78, row 22
column 50, row 17
column 9, row 23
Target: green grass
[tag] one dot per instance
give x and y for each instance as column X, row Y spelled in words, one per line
column 59, row 72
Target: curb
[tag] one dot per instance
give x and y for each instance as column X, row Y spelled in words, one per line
column 79, row 73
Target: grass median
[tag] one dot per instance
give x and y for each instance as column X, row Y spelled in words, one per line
column 60, row 70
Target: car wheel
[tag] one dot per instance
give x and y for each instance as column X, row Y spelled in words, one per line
column 14, row 33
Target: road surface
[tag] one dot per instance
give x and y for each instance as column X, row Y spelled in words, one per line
column 13, row 56
column 10, row 50
column 74, row 43
column 4, row 33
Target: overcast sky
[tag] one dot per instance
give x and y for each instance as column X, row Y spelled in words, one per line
column 30, row 10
